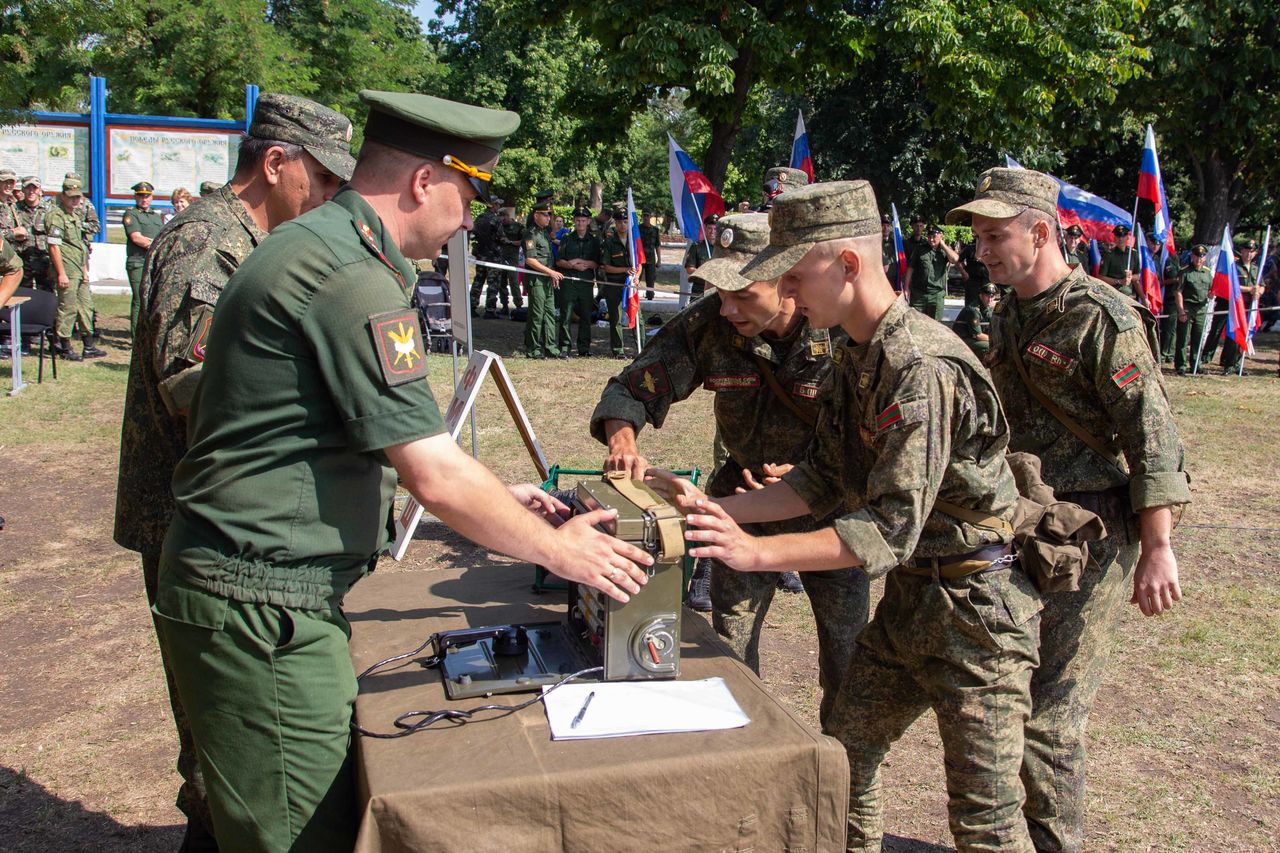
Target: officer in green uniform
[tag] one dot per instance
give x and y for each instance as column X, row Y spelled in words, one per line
column 1077, row 248
column 578, row 260
column 651, row 239
column 615, row 261
column 1168, row 323
column 1071, row 340
column 973, row 323
column 916, row 241
column 292, row 160
column 313, row 397
column 1190, row 299
column 909, row 455
column 699, row 252
column 68, row 255
column 141, row 225
column 927, row 274
column 1120, row 266
column 29, row 236
column 768, row 369
column 542, row 281
column 1230, row 359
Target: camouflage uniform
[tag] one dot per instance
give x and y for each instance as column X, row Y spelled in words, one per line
column 10, row 263
column 1230, row 358
column 484, row 247
column 697, row 348
column 34, row 250
column 63, row 229
column 613, row 251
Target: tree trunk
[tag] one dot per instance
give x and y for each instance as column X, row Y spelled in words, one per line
column 1221, row 195
column 724, row 132
column 596, row 197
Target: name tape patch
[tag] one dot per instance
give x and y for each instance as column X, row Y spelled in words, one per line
column 731, row 382
column 1050, row 357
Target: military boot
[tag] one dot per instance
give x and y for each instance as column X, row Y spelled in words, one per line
column 92, row 351
column 65, row 350
column 700, row 586
column 790, row 582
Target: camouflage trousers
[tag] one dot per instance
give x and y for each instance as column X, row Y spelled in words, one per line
column 192, row 800
column 965, row 648
column 1077, row 632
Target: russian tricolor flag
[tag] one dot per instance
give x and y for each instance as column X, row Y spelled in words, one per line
column 1226, row 285
column 898, row 248
column 1151, row 188
column 801, row 157
column 635, row 248
column 692, row 195
column 1150, row 287
column 1095, row 258
column 1096, row 216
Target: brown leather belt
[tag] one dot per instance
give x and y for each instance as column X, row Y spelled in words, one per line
column 958, row 566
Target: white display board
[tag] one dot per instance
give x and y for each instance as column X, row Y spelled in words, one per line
column 48, row 151
column 168, row 159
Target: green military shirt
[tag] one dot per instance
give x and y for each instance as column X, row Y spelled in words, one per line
column 537, row 246
column 1078, row 256
column 1113, row 266
column 614, row 253
column 651, row 239
column 889, row 253
column 584, row 248
column 974, row 320
column 189, row 264
column 138, row 221
column 10, row 263
column 32, row 218
column 929, row 272
column 1195, row 285
column 697, row 348
column 8, row 218
column 913, row 418
column 63, row 229
column 1090, row 351
column 315, row 364
column 913, row 246
column 696, row 255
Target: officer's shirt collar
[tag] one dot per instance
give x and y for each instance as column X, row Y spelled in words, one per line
column 374, row 235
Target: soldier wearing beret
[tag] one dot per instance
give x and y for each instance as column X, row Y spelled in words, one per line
column 1072, row 358
column 292, row 160
column 973, row 323
column 1192, row 295
column 1120, row 266
column 651, row 239
column 313, row 399
column 141, row 225
column 777, row 181
column 909, row 456
column 542, row 281
column 578, row 260
column 615, row 263
column 927, row 274
column 699, row 252
column 767, row 369
column 68, row 257
column 1230, row 360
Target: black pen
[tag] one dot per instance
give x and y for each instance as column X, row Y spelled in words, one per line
column 582, row 712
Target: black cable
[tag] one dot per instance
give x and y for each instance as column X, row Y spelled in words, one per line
column 427, row 718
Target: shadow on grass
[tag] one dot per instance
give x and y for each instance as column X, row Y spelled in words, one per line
column 898, row 844
column 33, row 819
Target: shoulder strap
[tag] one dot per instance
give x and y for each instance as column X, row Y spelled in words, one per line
column 669, row 519
column 779, row 392
column 978, row 519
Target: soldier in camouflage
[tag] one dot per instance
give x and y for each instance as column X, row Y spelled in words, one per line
column 29, row 236
column 1077, row 343
column 291, row 161
column 8, row 205
column 484, row 247
column 767, row 368
column 909, row 454
column 69, row 256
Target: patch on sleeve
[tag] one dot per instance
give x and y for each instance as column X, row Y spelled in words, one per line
column 397, row 341
column 807, row 390
column 1050, row 357
column 649, row 381
column 901, row 413
column 126, row 219
column 199, row 334
column 731, row 381
column 1125, row 375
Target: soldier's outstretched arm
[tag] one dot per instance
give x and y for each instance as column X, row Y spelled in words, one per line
column 718, row 536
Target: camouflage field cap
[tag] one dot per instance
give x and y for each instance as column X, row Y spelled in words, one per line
column 30, row 181
column 742, row 236
column 810, row 215
column 73, row 176
column 208, row 188
column 8, row 175
column 323, row 133
column 783, row 178
column 72, row 188
column 1004, row 193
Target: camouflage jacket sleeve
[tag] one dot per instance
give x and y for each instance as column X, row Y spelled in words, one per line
column 10, row 263
column 907, row 433
column 91, row 225
column 665, row 372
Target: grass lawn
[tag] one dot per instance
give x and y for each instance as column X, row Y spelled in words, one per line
column 1184, row 739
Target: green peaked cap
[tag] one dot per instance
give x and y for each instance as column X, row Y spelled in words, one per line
column 434, row 127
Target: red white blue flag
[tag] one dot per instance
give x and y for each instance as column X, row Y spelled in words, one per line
column 692, row 195
column 1226, row 285
column 1151, row 188
column 1095, row 258
column 1255, row 316
column 898, row 249
column 635, row 249
column 801, row 157
column 1150, row 285
column 1096, row 216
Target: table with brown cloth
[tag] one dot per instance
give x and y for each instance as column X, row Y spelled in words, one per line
column 505, row 785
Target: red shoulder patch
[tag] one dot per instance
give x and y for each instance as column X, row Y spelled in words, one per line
column 398, row 345
column 649, row 382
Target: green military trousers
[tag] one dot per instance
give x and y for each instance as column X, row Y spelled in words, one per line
column 540, row 325
column 575, row 296
column 75, row 304
column 930, row 304
column 269, row 692
column 965, row 648
column 1077, row 633
column 1188, row 337
column 613, row 307
column 133, row 269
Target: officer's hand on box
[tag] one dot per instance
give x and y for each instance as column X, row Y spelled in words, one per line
column 624, row 455
column 540, row 503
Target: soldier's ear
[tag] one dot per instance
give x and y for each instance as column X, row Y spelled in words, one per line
column 852, row 262
column 273, row 165
column 422, row 178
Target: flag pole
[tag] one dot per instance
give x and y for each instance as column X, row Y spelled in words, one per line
column 1252, row 318
column 1134, row 231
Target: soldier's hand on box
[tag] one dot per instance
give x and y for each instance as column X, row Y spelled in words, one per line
column 681, row 492
column 540, row 503
column 600, row 560
column 1155, row 580
column 722, row 538
column 627, row 459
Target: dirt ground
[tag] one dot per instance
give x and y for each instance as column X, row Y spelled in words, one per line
column 1183, row 743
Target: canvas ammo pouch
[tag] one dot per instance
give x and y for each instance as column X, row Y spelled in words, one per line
column 1052, row 536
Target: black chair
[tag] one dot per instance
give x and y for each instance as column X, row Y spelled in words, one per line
column 39, row 317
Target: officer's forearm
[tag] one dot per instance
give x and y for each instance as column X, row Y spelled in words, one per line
column 138, row 239
column 538, row 266
column 620, row 435
column 774, row 502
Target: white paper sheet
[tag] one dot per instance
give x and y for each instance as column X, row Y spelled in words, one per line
column 624, row 708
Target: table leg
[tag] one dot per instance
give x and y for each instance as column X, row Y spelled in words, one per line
column 15, row 348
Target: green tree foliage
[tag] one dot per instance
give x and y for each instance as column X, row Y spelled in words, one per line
column 43, row 55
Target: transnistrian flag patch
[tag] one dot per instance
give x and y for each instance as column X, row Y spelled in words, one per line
column 397, row 340
column 888, row 417
column 1125, row 375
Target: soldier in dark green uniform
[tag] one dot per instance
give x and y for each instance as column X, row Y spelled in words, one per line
column 699, row 252
column 542, row 281
column 1077, row 248
column 973, row 323
column 510, row 241
column 578, row 260
column 615, row 262
column 29, row 236
column 909, row 455
column 313, row 388
column 1120, row 266
column 927, row 274
column 1169, row 276
column 292, row 160
column 651, row 239
column 1069, row 339
column 68, row 257
column 1190, row 299
column 485, row 247
column 916, row 241
column 141, row 225
column 889, row 251
column 1230, row 359
column 768, row 370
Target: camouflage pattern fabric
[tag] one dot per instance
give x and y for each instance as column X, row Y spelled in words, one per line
column 697, row 348
column 1089, row 349
column 34, row 249
column 75, row 301
column 484, row 247
column 10, row 263
column 913, row 418
column 8, row 218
